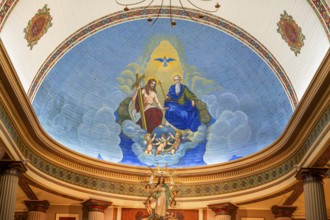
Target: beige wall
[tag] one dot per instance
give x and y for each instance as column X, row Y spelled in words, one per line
column 53, row 210
column 109, row 213
column 267, row 215
column 83, row 215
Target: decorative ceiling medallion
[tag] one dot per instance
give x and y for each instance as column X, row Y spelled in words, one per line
column 38, row 26
column 291, row 33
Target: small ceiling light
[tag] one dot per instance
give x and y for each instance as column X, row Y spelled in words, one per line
column 173, row 23
column 149, row 20
column 126, row 8
column 217, row 6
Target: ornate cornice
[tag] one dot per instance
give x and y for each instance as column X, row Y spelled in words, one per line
column 198, row 189
column 304, row 135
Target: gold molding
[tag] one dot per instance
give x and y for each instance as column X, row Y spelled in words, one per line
column 309, row 112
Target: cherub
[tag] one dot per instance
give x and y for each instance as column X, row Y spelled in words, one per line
column 149, row 145
column 162, row 143
column 177, row 141
column 148, row 206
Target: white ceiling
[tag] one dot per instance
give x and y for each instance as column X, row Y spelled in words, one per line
column 257, row 17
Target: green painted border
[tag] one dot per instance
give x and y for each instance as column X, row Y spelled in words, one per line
column 135, row 189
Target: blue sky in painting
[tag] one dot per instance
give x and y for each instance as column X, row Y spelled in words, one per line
column 77, row 101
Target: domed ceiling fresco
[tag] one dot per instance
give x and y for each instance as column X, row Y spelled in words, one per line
column 229, row 102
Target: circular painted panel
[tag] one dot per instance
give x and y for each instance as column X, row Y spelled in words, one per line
column 145, row 95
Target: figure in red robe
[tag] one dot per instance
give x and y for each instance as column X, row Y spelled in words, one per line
column 153, row 114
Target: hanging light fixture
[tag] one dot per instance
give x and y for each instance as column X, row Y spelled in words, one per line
column 151, row 21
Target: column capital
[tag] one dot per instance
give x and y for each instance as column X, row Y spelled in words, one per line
column 96, row 205
column 312, row 174
column 21, row 215
column 37, row 205
column 283, row 211
column 12, row 167
column 223, row 208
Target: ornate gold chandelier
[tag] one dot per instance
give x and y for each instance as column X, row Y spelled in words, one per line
column 151, row 20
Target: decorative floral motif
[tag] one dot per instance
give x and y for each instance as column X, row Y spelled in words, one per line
column 291, row 33
column 110, row 186
column 38, row 26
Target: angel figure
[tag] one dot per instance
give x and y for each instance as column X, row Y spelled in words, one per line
column 177, row 141
column 149, row 144
column 161, row 143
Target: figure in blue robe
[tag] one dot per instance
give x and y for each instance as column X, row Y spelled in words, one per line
column 181, row 109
